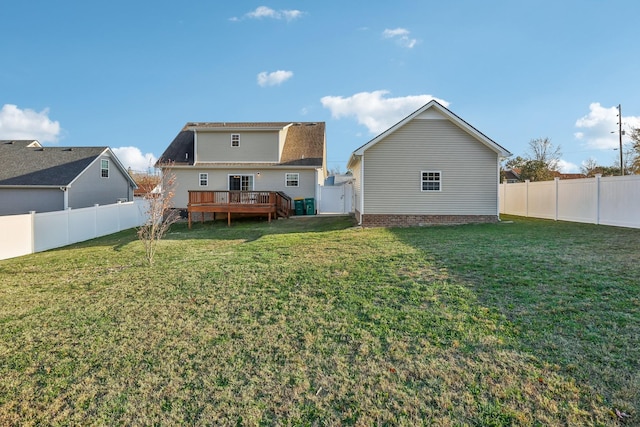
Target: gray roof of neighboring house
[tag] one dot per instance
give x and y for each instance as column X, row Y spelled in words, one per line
column 26, row 162
column 304, row 145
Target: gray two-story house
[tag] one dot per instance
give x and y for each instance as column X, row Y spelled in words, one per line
column 288, row 157
column 45, row 179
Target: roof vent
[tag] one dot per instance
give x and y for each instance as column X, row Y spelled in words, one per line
column 311, row 124
column 9, row 143
column 68, row 149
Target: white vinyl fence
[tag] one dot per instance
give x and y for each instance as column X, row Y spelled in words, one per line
column 37, row 232
column 335, row 199
column 612, row 200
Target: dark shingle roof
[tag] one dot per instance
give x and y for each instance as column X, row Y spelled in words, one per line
column 21, row 164
column 180, row 151
column 304, row 145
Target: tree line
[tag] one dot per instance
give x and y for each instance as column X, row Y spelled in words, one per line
column 541, row 161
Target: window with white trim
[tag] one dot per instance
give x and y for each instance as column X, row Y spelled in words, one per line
column 104, row 168
column 431, row 180
column 291, row 179
column 203, row 178
column 235, row 139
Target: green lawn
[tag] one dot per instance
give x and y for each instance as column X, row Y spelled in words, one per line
column 314, row 322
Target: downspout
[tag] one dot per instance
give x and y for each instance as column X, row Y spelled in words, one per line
column 195, row 147
column 66, row 197
column 361, row 188
column 498, row 198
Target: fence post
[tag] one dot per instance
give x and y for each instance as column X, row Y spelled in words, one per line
column 598, row 176
column 95, row 220
column 119, row 203
column 503, row 203
column 526, row 198
column 557, row 184
column 68, row 214
column 32, row 249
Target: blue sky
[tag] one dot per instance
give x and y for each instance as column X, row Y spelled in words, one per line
column 130, row 74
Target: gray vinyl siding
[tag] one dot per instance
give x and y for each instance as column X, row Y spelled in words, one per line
column 24, row 200
column 392, row 172
column 255, row 146
column 91, row 189
column 269, row 180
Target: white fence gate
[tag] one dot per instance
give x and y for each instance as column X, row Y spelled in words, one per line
column 37, row 232
column 336, row 199
column 612, row 200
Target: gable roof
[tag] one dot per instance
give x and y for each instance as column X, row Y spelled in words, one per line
column 435, row 105
column 303, row 146
column 28, row 163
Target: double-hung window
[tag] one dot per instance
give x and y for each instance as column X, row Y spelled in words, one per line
column 292, row 179
column 203, row 178
column 104, row 168
column 235, row 140
column 431, row 180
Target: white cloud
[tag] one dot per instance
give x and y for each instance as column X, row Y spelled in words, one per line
column 27, row 124
column 132, row 157
column 375, row 111
column 290, row 15
column 599, row 128
column 262, row 12
column 401, row 35
column 567, row 167
column 274, row 78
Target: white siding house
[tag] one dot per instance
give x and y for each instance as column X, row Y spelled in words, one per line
column 430, row 168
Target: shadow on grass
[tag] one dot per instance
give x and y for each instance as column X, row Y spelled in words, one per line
column 251, row 229
column 568, row 292
column 243, row 229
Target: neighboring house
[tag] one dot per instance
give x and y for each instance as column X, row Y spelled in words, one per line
column 511, row 176
column 561, row 175
column 430, row 168
column 275, row 156
column 45, row 179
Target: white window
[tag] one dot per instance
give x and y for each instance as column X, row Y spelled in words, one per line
column 104, row 168
column 431, row 180
column 203, row 178
column 235, row 139
column 291, row 179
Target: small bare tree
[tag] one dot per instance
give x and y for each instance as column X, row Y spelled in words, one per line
column 159, row 211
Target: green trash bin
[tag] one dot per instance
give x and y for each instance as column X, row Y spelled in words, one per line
column 310, row 206
column 298, row 205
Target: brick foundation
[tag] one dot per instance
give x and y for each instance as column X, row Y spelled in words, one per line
column 375, row 220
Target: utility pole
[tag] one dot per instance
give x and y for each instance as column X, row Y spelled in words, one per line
column 620, row 136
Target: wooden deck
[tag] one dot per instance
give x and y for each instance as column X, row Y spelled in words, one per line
column 270, row 203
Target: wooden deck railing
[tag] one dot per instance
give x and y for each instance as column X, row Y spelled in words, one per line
column 270, row 203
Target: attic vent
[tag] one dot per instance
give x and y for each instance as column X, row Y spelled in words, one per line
column 311, row 124
column 39, row 149
column 68, row 149
column 9, row 143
